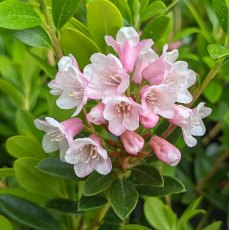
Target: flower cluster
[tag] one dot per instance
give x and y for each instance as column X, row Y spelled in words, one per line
column 131, row 91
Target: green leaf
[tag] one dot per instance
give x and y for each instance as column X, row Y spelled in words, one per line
column 123, row 197
column 213, row 91
column 146, row 175
column 63, row 10
column 55, row 167
column 24, row 146
column 5, row 172
column 103, row 18
column 27, row 213
column 221, row 10
column 25, row 124
column 153, row 9
column 171, row 186
column 48, row 69
column 16, row 15
column 216, row 51
column 5, row 223
column 156, row 29
column 79, row 45
column 11, row 91
column 35, row 181
column 97, row 183
column 91, row 202
column 36, row 37
column 63, row 205
column 135, row 227
column 159, row 215
column 214, row 226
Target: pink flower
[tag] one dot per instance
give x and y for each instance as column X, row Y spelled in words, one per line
column 58, row 135
column 122, row 114
column 148, row 119
column 158, row 99
column 106, row 77
column 190, row 120
column 143, row 60
column 70, row 85
column 132, row 142
column 165, row 151
column 96, row 114
column 87, row 154
column 155, row 72
column 128, row 46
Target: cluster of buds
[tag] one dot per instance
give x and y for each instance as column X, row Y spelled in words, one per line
column 130, row 93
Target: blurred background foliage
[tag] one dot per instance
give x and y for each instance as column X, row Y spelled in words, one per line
column 190, row 26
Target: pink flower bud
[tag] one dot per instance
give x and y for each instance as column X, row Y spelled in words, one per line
column 132, row 142
column 165, row 151
column 148, row 119
column 96, row 115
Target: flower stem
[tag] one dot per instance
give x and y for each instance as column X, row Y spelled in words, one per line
column 51, row 28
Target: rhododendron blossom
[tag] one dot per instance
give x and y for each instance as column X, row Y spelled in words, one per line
column 58, row 135
column 120, row 98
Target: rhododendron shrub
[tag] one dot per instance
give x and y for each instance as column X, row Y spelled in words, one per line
column 111, row 101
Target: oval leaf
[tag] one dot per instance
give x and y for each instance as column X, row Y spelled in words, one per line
column 5, row 223
column 91, row 202
column 123, row 197
column 63, row 10
column 16, row 15
column 135, row 227
column 79, row 45
column 156, row 29
column 36, row 37
column 55, row 167
column 216, row 51
column 35, row 181
column 24, row 146
column 146, row 175
column 97, row 183
column 63, row 205
column 27, row 213
column 171, row 185
column 103, row 18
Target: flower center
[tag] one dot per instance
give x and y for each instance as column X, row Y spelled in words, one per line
column 123, row 109
column 56, row 135
column 151, row 98
column 91, row 153
column 111, row 80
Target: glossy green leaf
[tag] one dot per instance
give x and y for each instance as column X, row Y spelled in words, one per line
column 25, row 124
column 103, row 18
column 97, row 183
column 213, row 91
column 5, row 172
column 63, row 205
column 91, row 202
column 27, row 213
column 156, row 29
column 24, row 146
column 108, row 225
column 35, row 181
column 11, row 91
column 123, row 197
column 146, row 175
column 171, row 186
column 63, row 10
column 135, row 227
column 55, row 167
column 221, row 10
column 79, row 45
column 155, row 8
column 159, row 215
column 17, row 15
column 36, row 37
column 5, row 223
column 214, row 226
column 217, row 51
